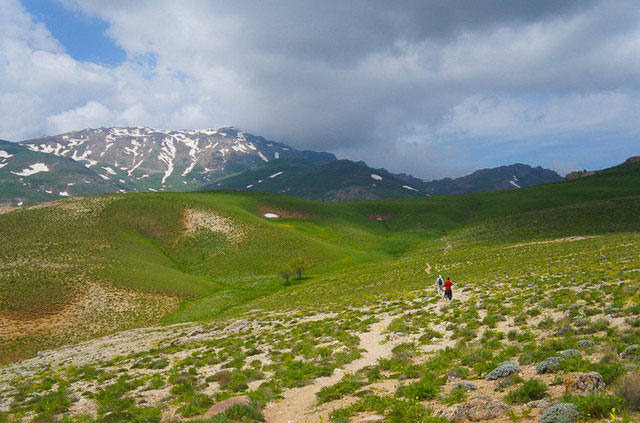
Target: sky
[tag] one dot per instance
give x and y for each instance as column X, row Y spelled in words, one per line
column 428, row 87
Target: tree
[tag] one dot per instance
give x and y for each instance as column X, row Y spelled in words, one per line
column 298, row 265
column 286, row 273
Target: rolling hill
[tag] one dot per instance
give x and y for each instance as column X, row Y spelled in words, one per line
column 539, row 273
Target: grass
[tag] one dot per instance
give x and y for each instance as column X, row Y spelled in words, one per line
column 81, row 269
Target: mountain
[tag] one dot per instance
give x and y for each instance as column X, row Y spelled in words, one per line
column 515, row 176
column 346, row 180
column 146, row 159
column 28, row 176
column 134, row 159
column 339, row 180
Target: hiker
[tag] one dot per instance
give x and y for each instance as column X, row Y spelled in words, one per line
column 448, row 292
column 439, row 284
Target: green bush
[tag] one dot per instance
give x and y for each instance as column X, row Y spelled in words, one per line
column 596, row 406
column 530, row 390
column 426, row 388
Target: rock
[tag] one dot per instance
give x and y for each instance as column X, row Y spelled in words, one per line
column 632, row 351
column 479, row 409
column 543, row 403
column 222, row 406
column 549, row 365
column 505, row 369
column 584, row 383
column 372, row 419
column 580, row 321
column 561, row 413
column 570, row 353
column 563, row 331
column 451, row 376
column 468, row 386
column 586, row 343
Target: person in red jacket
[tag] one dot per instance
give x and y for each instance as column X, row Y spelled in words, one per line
column 448, row 292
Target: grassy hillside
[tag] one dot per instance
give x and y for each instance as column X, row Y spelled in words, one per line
column 540, row 273
column 195, row 256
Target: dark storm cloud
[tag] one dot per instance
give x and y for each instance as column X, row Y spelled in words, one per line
column 430, row 87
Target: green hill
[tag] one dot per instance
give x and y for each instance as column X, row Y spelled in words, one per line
column 191, row 256
column 546, row 278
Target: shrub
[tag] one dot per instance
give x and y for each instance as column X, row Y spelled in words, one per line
column 411, row 412
column 630, row 390
column 346, row 386
column 456, row 396
column 596, row 406
column 426, row 388
column 505, row 369
column 561, row 413
column 245, row 413
column 531, row 390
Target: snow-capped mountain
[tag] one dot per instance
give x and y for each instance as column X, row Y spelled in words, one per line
column 103, row 160
column 142, row 158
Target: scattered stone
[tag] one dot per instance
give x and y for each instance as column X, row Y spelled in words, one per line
column 451, row 376
column 586, row 343
column 372, row 419
column 570, row 353
column 479, row 409
column 542, row 403
column 549, row 365
column 585, row 383
column 580, row 321
column 468, row 386
column 632, row 351
column 561, row 413
column 563, row 331
column 505, row 369
column 222, row 406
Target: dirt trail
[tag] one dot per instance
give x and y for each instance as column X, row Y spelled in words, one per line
column 298, row 402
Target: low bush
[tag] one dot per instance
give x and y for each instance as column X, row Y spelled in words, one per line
column 426, row 388
column 630, row 390
column 530, row 390
column 596, row 406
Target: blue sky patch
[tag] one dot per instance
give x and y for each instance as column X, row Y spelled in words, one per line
column 83, row 37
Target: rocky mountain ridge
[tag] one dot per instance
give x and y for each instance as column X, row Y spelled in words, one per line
column 141, row 159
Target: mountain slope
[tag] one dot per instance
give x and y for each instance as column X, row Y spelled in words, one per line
column 27, row 176
column 143, row 159
column 514, row 176
column 338, row 180
column 139, row 159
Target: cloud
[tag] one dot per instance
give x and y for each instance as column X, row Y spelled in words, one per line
column 433, row 88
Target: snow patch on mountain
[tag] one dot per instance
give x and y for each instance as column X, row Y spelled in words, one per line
column 276, row 174
column 376, row 177
column 5, row 155
column 33, row 169
column 410, row 188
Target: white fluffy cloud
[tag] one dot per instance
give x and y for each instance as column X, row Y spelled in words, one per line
column 392, row 83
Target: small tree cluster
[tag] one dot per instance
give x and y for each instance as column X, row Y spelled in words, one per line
column 295, row 266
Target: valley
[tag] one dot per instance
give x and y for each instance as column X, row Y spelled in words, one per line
column 151, row 307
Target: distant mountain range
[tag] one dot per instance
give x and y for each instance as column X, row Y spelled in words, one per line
column 97, row 161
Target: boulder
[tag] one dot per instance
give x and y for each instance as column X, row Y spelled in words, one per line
column 561, row 413
column 222, row 406
column 584, row 383
column 570, row 353
column 542, row 403
column 479, row 409
column 549, row 365
column 632, row 351
column 467, row 386
column 586, row 343
column 505, row 369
